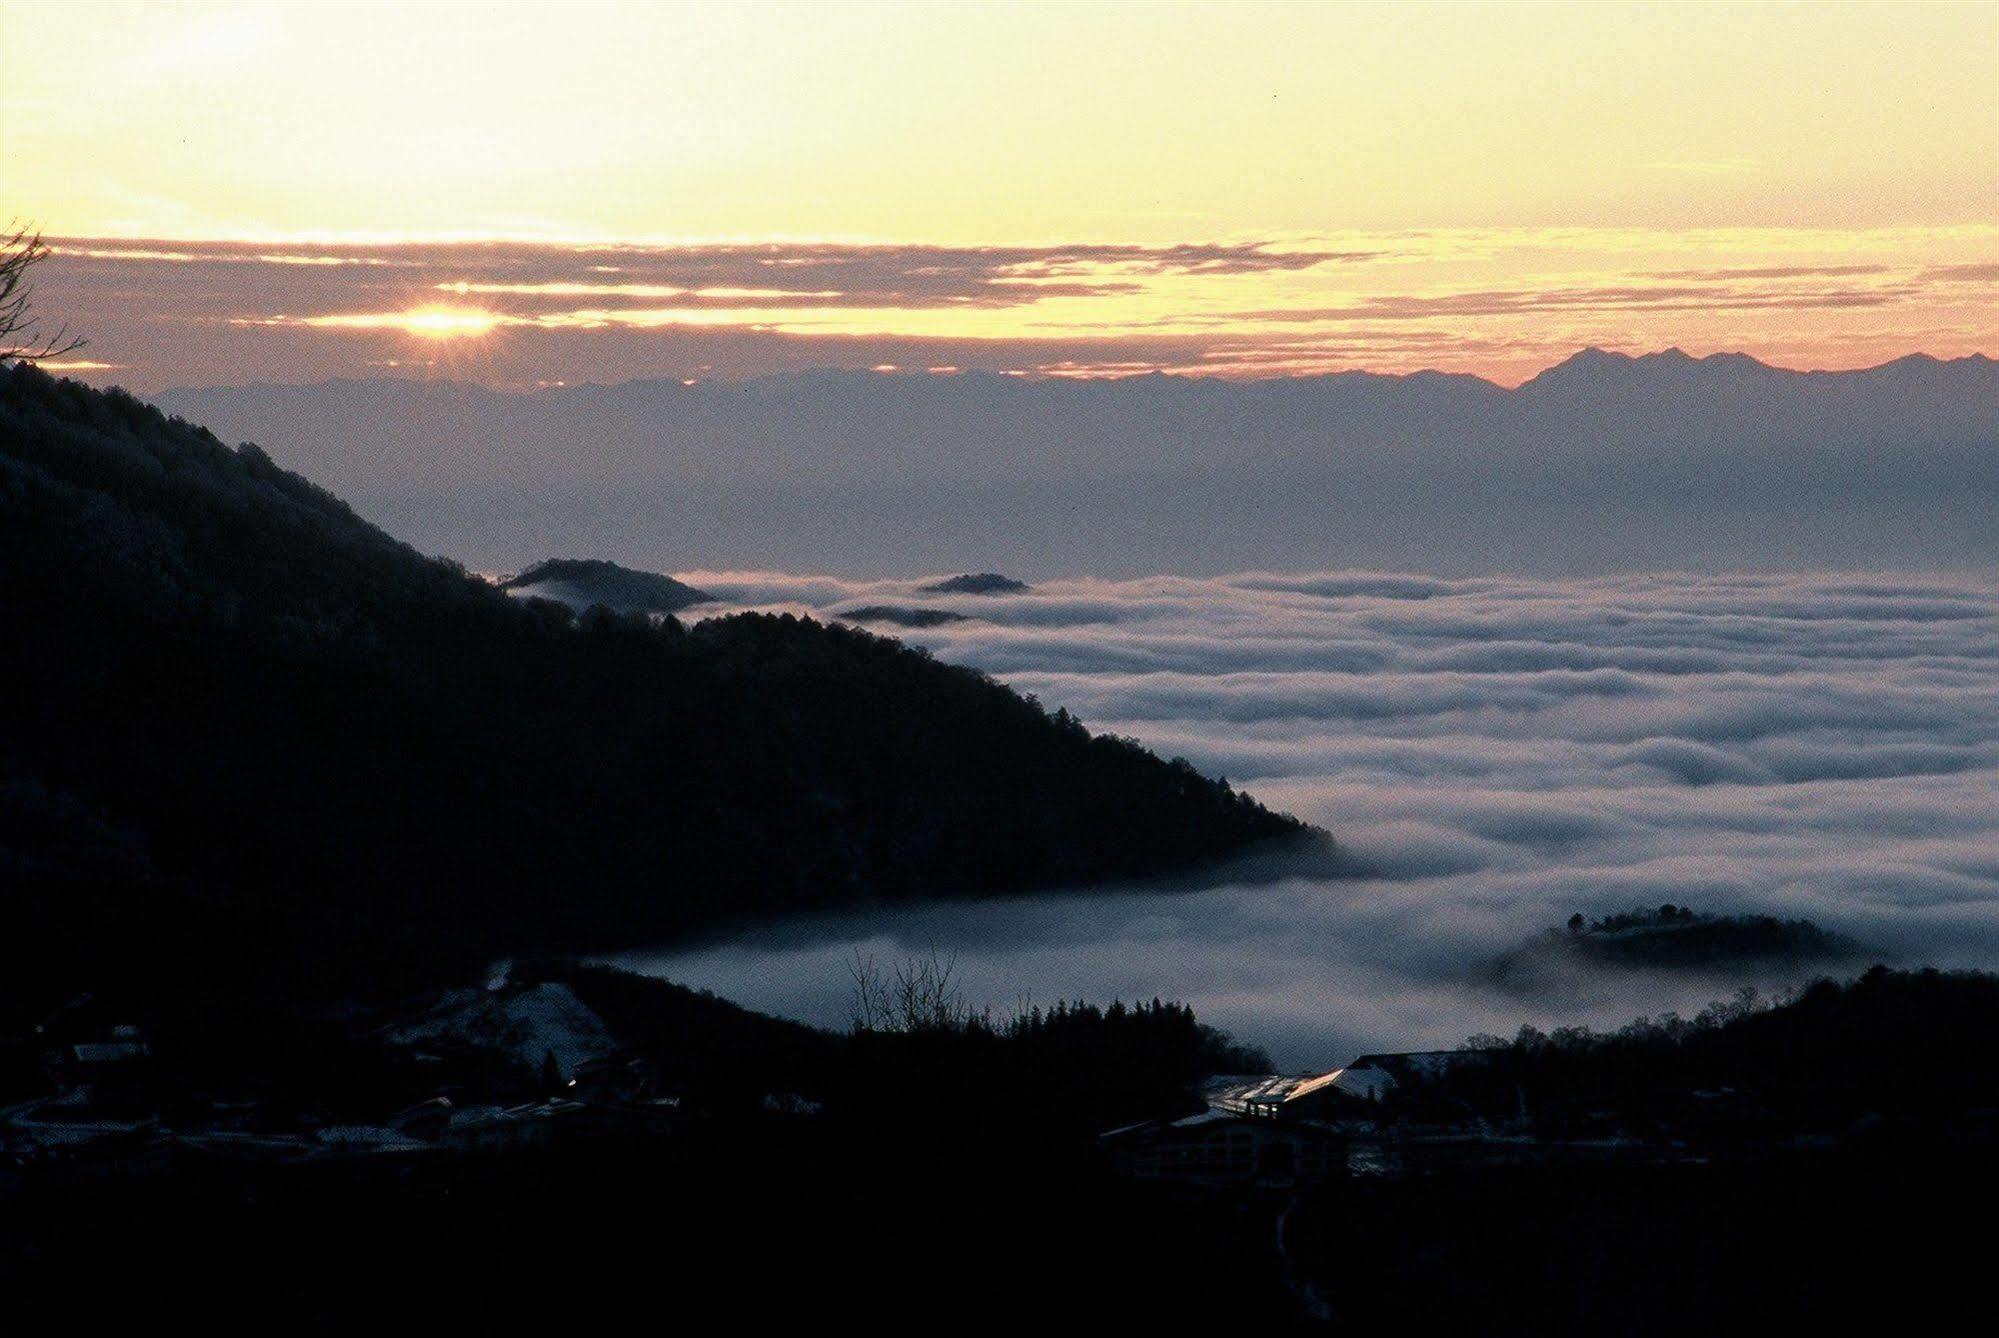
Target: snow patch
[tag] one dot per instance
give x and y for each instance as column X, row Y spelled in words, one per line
column 531, row 1024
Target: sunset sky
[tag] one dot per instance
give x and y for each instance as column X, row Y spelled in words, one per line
column 526, row 193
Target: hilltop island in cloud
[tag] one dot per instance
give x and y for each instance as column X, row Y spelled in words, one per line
column 585, row 583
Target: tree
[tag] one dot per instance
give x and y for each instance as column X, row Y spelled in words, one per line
column 922, row 997
column 19, row 253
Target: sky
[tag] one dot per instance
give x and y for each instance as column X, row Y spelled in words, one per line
column 526, row 193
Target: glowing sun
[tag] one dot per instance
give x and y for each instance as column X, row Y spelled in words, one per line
column 448, row 322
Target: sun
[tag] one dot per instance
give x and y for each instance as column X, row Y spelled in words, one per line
column 448, row 322
column 425, row 322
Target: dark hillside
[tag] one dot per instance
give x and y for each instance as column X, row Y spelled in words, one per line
column 1894, row 1046
column 230, row 702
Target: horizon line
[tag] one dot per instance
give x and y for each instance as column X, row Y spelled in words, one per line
column 887, row 372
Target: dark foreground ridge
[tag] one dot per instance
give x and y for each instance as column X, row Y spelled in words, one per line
column 1803, row 1167
column 245, row 730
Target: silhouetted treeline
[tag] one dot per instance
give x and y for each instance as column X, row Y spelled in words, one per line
column 1818, row 1167
column 1891, row 1046
column 240, row 722
column 1042, row 1083
column 1049, row 1078
column 1156, row 1035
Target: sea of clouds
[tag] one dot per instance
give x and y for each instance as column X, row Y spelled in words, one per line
column 1493, row 754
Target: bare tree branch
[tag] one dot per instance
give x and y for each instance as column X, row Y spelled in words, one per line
column 921, row 996
column 21, row 250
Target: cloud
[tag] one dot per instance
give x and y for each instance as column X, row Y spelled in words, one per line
column 1496, row 753
column 302, row 308
column 1726, row 273
column 1594, row 297
column 1979, row 273
column 739, row 274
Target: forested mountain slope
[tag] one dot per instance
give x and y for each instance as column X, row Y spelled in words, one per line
column 231, row 704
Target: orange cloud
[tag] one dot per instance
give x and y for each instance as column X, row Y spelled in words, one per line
column 1498, row 302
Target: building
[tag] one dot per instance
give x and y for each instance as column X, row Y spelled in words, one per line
column 1346, row 1093
column 557, row 1120
column 426, row 1120
column 535, row 1124
column 103, row 1054
column 1421, row 1065
column 1221, row 1148
column 1340, row 1094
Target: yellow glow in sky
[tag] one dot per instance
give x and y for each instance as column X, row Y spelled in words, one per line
column 1519, row 147
column 423, row 322
column 960, row 122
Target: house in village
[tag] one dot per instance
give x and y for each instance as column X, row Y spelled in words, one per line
column 114, row 1055
column 534, row 1124
column 1341, row 1094
column 1276, row 1130
column 1224, row 1149
column 1417, row 1066
column 556, row 1120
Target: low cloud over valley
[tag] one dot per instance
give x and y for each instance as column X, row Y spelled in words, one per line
column 1495, row 754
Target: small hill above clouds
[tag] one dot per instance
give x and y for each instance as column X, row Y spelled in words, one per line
column 245, row 733
column 977, row 583
column 900, row 615
column 1673, row 939
column 585, row 583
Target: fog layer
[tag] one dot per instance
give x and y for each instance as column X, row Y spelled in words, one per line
column 1495, row 754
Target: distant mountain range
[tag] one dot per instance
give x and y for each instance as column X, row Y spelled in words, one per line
column 1603, row 462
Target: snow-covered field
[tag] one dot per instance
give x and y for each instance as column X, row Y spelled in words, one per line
column 1497, row 753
